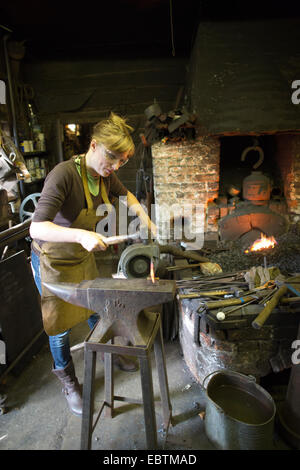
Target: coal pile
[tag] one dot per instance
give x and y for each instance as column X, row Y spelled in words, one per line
column 285, row 255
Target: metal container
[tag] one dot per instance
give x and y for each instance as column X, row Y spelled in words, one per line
column 257, row 188
column 239, row 413
column 289, row 410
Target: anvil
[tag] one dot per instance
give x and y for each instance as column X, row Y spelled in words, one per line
column 120, row 304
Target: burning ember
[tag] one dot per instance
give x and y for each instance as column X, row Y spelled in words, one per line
column 262, row 243
column 152, row 273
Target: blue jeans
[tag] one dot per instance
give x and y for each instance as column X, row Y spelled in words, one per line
column 59, row 344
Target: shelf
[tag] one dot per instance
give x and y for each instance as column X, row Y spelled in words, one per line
column 34, row 154
column 35, row 181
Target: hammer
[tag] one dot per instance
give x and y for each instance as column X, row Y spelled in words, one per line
column 266, row 312
column 120, row 238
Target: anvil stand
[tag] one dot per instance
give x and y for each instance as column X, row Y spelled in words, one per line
column 123, row 305
column 91, row 348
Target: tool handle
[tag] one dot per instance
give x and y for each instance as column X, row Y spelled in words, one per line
column 266, row 312
column 229, row 302
column 120, row 238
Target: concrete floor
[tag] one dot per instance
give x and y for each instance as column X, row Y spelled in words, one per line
column 38, row 417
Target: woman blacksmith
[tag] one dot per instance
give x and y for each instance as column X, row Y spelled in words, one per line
column 64, row 237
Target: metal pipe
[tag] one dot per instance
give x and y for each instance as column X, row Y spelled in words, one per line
column 11, row 93
column 14, row 233
column 58, row 135
column 12, row 107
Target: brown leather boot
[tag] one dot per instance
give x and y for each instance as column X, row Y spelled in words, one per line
column 71, row 388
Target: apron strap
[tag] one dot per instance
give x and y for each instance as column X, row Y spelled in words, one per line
column 86, row 188
column 85, row 184
column 105, row 196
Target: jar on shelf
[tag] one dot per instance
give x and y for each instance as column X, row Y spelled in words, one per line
column 40, row 142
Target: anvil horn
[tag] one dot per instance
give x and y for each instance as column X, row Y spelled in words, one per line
column 69, row 293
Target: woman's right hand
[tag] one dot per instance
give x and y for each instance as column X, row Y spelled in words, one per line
column 50, row 232
column 92, row 241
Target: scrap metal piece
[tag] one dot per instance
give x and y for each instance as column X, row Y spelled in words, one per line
column 154, row 110
column 178, row 122
column 120, row 303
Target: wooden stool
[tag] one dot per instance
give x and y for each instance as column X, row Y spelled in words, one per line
column 91, row 349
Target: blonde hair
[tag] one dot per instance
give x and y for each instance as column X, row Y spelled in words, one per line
column 114, row 134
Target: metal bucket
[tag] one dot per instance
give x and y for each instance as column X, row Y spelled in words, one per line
column 239, row 413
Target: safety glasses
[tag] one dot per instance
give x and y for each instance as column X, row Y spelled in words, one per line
column 112, row 159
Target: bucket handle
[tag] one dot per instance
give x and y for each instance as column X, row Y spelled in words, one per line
column 251, row 377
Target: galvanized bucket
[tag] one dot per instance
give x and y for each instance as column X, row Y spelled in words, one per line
column 239, row 413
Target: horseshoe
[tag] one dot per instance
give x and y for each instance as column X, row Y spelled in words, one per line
column 257, row 149
column 29, row 200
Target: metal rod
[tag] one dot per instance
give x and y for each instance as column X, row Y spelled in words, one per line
column 14, row 233
column 11, row 93
column 76, row 347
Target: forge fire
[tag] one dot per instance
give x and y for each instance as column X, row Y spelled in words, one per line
column 262, row 243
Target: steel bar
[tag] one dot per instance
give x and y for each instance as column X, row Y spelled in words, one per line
column 98, row 416
column 134, row 401
column 148, row 401
column 109, row 384
column 180, row 268
column 88, row 399
column 162, row 378
column 76, row 347
column 15, row 233
column 288, row 300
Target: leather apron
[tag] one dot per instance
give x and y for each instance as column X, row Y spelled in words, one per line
column 67, row 262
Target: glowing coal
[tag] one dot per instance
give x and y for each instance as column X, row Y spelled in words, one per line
column 263, row 243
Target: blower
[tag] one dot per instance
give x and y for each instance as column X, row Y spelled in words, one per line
column 136, row 259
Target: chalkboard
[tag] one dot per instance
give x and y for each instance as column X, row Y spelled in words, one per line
column 20, row 313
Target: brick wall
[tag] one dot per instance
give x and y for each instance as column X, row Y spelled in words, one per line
column 288, row 160
column 186, row 173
